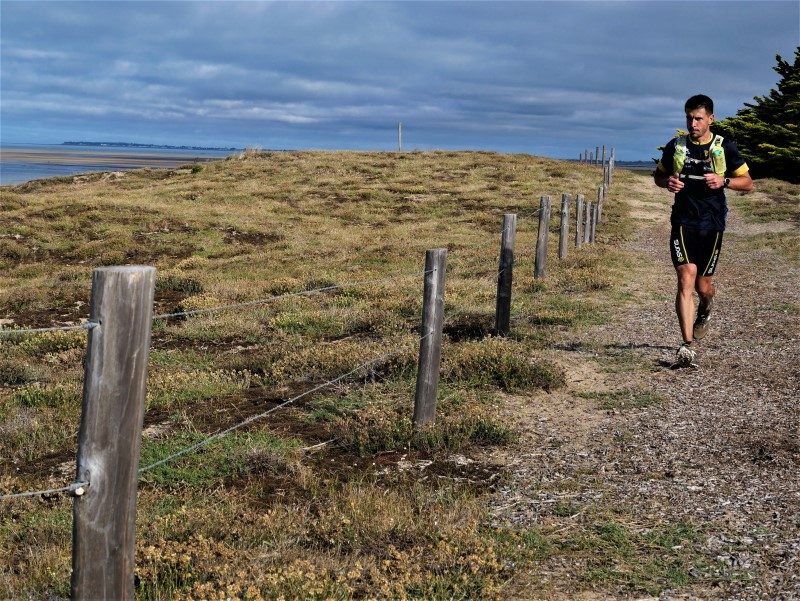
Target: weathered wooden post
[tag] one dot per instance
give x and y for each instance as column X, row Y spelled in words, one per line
column 400, row 137
column 596, row 155
column 109, row 439
column 601, row 194
column 594, row 223
column 563, row 232
column 612, row 162
column 541, row 241
column 505, row 276
column 430, row 345
column 578, row 220
column 587, row 221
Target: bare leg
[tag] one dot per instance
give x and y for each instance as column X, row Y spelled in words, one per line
column 705, row 290
column 684, row 299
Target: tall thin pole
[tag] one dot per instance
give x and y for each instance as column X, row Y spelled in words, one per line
column 400, row 137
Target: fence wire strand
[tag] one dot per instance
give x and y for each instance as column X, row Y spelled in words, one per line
column 264, row 301
column 259, row 416
column 22, row 331
column 70, row 488
column 92, row 324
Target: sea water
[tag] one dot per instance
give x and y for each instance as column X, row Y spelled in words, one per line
column 24, row 162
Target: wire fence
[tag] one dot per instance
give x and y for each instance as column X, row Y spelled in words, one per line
column 88, row 325
column 79, row 486
column 284, row 404
column 115, row 384
column 10, row 332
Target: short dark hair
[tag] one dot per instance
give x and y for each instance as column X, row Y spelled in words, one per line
column 699, row 101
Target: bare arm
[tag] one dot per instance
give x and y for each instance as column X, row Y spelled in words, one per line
column 665, row 180
column 740, row 183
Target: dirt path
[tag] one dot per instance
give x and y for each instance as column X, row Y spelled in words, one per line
column 717, row 453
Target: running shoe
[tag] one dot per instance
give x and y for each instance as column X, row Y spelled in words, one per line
column 685, row 356
column 701, row 323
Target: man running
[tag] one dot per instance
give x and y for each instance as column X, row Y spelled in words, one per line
column 697, row 168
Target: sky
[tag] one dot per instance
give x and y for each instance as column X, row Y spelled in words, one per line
column 544, row 78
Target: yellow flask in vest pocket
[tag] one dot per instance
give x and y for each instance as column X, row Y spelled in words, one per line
column 718, row 156
column 679, row 158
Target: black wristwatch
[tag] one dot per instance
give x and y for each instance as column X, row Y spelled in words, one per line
column 726, row 182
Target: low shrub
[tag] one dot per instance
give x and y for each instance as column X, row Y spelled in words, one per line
column 48, row 342
column 38, row 395
column 15, row 372
column 385, row 427
column 501, row 363
column 176, row 283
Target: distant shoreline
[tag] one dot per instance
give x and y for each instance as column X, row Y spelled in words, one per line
column 154, row 146
column 19, row 163
column 84, row 157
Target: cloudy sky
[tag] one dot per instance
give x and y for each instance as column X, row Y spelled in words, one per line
column 546, row 78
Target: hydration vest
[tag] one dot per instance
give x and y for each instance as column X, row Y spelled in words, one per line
column 715, row 151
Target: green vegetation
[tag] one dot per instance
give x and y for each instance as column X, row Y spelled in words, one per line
column 767, row 132
column 777, row 204
column 626, row 398
column 334, row 495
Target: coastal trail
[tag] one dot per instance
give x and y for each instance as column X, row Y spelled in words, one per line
column 638, row 474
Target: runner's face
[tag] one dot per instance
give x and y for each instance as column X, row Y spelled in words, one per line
column 697, row 122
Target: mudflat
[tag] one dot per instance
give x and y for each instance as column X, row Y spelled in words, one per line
column 94, row 157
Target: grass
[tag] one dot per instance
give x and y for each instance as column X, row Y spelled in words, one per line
column 627, row 398
column 312, row 495
column 774, row 201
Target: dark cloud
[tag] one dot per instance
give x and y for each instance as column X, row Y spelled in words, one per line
column 540, row 77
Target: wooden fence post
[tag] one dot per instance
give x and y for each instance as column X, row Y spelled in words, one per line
column 587, row 221
column 578, row 220
column 541, row 241
column 594, row 223
column 612, row 164
column 109, row 439
column 596, row 155
column 603, row 162
column 502, row 314
column 430, row 346
column 563, row 232
column 601, row 194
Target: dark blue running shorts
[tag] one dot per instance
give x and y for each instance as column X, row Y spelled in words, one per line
column 700, row 247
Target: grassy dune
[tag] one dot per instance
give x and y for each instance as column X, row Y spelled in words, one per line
column 335, row 496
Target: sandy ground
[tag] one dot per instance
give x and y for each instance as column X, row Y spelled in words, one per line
column 721, row 449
